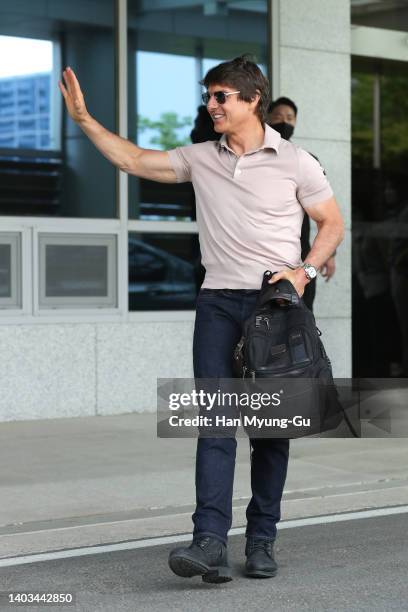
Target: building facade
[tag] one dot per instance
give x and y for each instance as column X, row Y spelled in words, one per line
column 98, row 270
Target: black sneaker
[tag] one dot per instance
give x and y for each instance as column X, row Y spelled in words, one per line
column 260, row 562
column 206, row 557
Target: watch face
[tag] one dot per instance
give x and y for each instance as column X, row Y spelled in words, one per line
column 310, row 271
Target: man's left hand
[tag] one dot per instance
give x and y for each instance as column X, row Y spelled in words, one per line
column 297, row 277
column 329, row 268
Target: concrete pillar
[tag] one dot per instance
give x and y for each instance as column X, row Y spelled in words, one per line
column 311, row 64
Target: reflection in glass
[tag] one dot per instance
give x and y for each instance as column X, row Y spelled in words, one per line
column 164, row 271
column 76, row 270
column 380, row 221
column 26, row 67
column 5, row 270
column 165, row 111
column 362, row 91
column 380, row 14
column 170, row 50
column 48, row 166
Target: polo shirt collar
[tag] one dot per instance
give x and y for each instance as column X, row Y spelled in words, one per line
column 272, row 140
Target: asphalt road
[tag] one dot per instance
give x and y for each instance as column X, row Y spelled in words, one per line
column 339, row 567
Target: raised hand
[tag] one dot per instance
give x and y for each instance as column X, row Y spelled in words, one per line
column 73, row 96
column 124, row 154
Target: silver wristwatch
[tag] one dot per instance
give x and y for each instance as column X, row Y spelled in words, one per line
column 310, row 271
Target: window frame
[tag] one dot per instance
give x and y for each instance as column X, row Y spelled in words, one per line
column 45, row 239
column 14, row 240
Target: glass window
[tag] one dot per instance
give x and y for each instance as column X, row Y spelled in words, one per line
column 44, row 140
column 22, row 57
column 380, row 14
column 165, row 115
column 170, row 50
column 379, row 193
column 6, row 125
column 27, row 124
column 10, row 270
column 25, row 141
column 394, row 119
column 31, row 52
column 6, row 141
column 362, row 91
column 77, row 271
column 5, row 270
column 380, row 218
column 164, row 271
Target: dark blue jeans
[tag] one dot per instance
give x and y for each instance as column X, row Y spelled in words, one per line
column 219, row 318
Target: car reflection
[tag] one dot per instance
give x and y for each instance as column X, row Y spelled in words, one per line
column 158, row 280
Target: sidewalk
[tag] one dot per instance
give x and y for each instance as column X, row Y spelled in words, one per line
column 85, row 481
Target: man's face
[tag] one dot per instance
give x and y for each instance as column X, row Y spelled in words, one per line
column 232, row 114
column 282, row 114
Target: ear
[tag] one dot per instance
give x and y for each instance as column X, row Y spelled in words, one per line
column 255, row 99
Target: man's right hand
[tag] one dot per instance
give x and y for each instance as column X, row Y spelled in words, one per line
column 73, row 96
column 125, row 155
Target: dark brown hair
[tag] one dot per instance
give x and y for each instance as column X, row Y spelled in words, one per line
column 244, row 75
column 283, row 100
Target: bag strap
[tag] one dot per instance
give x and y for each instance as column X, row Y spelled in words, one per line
column 283, row 290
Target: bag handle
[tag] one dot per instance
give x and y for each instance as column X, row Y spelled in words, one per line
column 282, row 291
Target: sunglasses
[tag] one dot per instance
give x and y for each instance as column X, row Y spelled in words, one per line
column 220, row 96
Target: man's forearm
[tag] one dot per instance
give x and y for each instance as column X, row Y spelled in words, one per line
column 328, row 237
column 118, row 150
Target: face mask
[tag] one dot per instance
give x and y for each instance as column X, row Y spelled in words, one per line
column 285, row 129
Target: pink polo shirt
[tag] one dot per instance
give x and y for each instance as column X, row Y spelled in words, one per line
column 249, row 208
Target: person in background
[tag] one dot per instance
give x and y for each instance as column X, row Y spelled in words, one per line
column 282, row 115
column 203, row 129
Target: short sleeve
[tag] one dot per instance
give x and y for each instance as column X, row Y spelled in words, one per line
column 180, row 159
column 313, row 186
